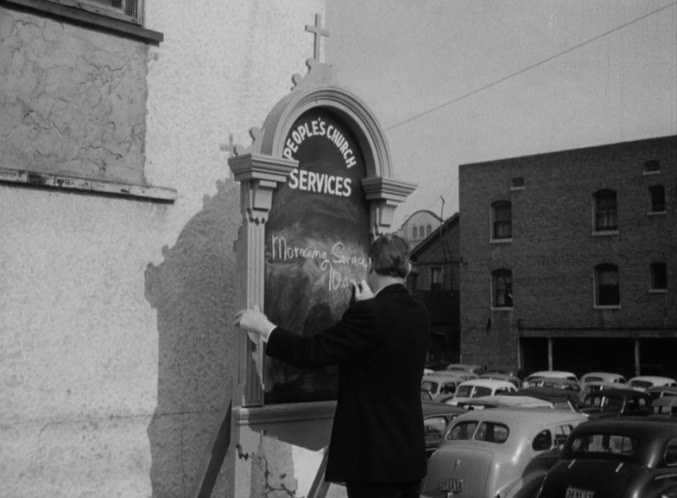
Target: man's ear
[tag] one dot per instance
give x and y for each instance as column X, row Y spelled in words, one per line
column 370, row 266
column 408, row 269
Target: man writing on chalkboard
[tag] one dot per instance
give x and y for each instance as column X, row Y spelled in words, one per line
column 377, row 445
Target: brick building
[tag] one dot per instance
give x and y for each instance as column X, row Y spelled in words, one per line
column 570, row 259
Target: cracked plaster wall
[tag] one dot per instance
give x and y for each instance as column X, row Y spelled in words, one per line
column 115, row 315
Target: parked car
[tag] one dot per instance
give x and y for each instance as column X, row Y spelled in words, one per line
column 513, row 371
column 477, row 388
column 594, row 386
column 549, row 374
column 463, row 367
column 616, row 402
column 644, row 382
column 610, row 377
column 506, row 400
column 666, row 405
column 502, row 452
column 436, row 418
column 617, row 458
column 434, row 365
column 560, row 398
column 502, row 376
column 662, row 392
column 556, row 382
column 439, row 385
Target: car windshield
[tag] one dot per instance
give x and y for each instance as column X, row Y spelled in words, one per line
column 593, row 379
column 491, row 432
column 601, row 446
column 605, row 402
column 481, row 391
column 464, row 391
column 642, row 384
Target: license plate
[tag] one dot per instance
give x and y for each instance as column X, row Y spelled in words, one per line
column 579, row 493
column 453, row 485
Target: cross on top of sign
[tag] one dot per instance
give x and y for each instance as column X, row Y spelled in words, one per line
column 317, row 32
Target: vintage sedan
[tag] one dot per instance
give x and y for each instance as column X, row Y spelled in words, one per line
column 644, row 382
column 609, row 377
column 436, row 418
column 550, row 374
column 440, row 384
column 619, row 458
column 476, row 388
column 616, row 402
column 502, row 376
column 502, row 452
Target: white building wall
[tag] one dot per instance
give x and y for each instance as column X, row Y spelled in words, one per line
column 115, row 314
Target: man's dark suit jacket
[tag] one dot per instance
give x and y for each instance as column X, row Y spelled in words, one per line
column 380, row 346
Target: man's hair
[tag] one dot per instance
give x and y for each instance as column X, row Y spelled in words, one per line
column 389, row 255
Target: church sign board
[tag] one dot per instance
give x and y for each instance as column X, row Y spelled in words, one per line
column 317, row 237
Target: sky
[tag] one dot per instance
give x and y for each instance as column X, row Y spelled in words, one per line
column 461, row 81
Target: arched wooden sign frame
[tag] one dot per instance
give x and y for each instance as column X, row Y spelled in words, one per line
column 262, row 168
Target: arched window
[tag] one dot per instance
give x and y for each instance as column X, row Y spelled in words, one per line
column 657, row 194
column 501, row 219
column 501, row 281
column 659, row 276
column 606, row 285
column 606, row 211
column 428, row 230
column 414, row 233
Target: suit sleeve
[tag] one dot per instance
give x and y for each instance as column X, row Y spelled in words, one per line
column 354, row 335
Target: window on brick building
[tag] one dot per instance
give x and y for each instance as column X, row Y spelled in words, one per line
column 517, row 183
column 652, row 166
column 436, row 275
column 657, row 196
column 659, row 276
column 501, row 281
column 501, row 220
column 606, row 211
column 607, row 289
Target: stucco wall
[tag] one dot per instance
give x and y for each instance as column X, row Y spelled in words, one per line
column 115, row 322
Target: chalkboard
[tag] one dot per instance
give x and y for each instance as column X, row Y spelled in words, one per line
column 317, row 237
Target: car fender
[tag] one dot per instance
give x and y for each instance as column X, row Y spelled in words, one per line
column 522, row 487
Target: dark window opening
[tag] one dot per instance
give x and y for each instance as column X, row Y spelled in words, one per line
column 608, row 291
column 502, row 220
column 606, row 211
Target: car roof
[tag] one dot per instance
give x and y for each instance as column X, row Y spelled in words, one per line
column 630, row 425
column 603, row 375
column 553, row 394
column 435, row 377
column 552, row 373
column 434, row 408
column 665, row 401
column 487, row 383
column 618, row 393
column 652, row 378
column 605, row 383
column 663, row 389
column 499, row 400
column 528, row 417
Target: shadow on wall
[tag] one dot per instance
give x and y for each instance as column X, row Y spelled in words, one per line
column 194, row 293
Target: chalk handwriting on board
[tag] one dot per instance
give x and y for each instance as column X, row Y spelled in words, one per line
column 336, row 262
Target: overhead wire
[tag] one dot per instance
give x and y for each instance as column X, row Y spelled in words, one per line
column 529, row 68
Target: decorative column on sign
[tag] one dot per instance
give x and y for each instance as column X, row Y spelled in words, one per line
column 259, row 176
column 384, row 195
